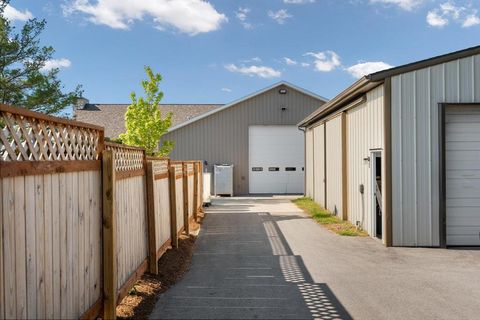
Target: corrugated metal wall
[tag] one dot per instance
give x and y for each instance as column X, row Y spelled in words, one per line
column 319, row 163
column 334, row 165
column 309, row 169
column 415, row 144
column 364, row 133
column 223, row 136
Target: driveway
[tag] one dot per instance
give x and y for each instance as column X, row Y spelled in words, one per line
column 264, row 258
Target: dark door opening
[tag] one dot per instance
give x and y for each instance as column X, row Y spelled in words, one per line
column 377, row 193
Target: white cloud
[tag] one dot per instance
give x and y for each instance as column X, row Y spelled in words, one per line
column 450, row 11
column 290, row 62
column 12, row 14
column 56, row 64
column 408, row 5
column 361, row 69
column 188, row 16
column 279, row 16
column 325, row 61
column 242, row 15
column 298, row 1
column 253, row 70
column 226, row 90
column 436, row 20
column 304, row 64
column 471, row 20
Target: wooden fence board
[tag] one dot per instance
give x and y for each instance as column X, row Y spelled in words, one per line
column 20, row 254
column 56, row 214
column 48, row 278
column 64, row 205
column 9, row 247
column 75, row 232
column 40, row 246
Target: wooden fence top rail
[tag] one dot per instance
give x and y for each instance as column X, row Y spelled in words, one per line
column 41, row 116
column 123, row 146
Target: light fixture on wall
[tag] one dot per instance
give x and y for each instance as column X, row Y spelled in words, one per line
column 284, row 109
column 282, row 91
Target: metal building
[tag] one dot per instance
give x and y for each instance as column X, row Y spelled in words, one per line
column 258, row 134
column 398, row 152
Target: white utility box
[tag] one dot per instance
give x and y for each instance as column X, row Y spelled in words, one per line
column 207, row 180
column 223, row 180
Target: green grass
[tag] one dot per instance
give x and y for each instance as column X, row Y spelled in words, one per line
column 327, row 219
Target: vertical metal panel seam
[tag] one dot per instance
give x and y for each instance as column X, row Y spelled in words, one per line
column 429, row 139
column 415, row 193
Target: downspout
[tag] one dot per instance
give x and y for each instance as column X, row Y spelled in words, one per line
column 304, row 160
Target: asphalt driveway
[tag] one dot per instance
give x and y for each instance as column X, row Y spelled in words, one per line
column 264, row 258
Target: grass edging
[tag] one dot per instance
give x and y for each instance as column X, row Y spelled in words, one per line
column 327, row 219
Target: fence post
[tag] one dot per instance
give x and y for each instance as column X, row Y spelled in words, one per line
column 172, row 180
column 109, row 237
column 185, row 198
column 195, row 191
column 152, row 235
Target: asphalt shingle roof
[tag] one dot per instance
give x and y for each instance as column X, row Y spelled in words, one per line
column 111, row 116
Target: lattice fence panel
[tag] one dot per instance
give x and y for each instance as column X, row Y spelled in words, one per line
column 27, row 138
column 126, row 158
column 160, row 166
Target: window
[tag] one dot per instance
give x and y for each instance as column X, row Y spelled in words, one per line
column 257, row 169
column 274, row 169
column 290, row 169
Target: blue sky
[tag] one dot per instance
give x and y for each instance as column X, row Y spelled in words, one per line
column 221, row 50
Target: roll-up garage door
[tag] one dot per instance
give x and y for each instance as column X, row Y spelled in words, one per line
column 462, row 165
column 276, row 160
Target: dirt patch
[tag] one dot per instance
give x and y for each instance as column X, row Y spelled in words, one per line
column 174, row 263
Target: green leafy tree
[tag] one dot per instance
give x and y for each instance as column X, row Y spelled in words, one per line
column 143, row 120
column 23, row 81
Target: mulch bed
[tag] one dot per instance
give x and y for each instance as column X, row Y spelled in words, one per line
column 140, row 301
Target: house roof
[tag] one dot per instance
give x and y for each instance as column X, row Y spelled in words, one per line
column 229, row 105
column 112, row 116
column 367, row 82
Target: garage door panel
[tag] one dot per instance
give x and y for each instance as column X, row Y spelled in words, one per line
column 463, row 174
column 469, row 117
column 276, row 148
column 462, row 137
column 462, row 239
column 464, row 146
column 462, row 164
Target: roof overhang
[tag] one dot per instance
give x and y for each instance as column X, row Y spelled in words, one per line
column 278, row 84
column 347, row 96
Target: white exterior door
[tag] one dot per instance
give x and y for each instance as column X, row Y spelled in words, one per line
column 462, row 164
column 276, row 160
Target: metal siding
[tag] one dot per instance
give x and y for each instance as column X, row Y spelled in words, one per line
column 415, row 149
column 309, row 169
column 319, row 164
column 364, row 133
column 334, row 165
column 223, row 136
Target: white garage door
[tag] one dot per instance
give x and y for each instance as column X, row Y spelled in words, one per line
column 276, row 156
column 462, row 164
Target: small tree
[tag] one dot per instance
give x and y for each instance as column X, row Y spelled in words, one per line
column 143, row 120
column 23, row 80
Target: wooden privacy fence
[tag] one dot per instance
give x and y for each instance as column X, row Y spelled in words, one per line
column 81, row 219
